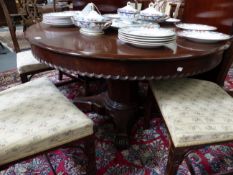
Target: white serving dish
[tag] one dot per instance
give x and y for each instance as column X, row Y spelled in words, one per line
column 151, row 13
column 92, row 27
column 91, row 22
column 204, row 36
column 189, row 26
column 128, row 12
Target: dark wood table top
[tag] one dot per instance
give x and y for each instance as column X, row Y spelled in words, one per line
column 107, row 57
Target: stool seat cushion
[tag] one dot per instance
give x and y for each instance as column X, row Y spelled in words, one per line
column 195, row 111
column 27, row 63
column 36, row 117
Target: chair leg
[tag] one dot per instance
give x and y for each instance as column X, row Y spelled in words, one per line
column 50, row 164
column 90, row 151
column 175, row 157
column 86, row 88
column 24, row 78
column 60, row 75
column 148, row 109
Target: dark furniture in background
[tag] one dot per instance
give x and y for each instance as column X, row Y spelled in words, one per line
column 218, row 13
column 11, row 5
column 106, row 6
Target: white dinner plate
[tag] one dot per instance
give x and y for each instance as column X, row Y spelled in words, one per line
column 58, row 21
column 189, row 26
column 112, row 16
column 149, row 40
column 60, row 15
column 143, row 44
column 204, row 36
column 57, row 24
column 172, row 20
column 147, row 32
column 118, row 23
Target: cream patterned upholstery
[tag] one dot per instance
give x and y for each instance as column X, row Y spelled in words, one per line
column 26, row 62
column 195, row 111
column 35, row 117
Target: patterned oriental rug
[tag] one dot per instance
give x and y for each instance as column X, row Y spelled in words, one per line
column 147, row 154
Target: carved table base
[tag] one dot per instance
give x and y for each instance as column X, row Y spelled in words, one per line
column 119, row 102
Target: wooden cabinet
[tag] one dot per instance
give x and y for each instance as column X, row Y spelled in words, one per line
column 218, row 13
column 11, row 5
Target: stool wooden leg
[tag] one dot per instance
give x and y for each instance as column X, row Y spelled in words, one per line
column 60, row 75
column 175, row 157
column 148, row 109
column 90, row 152
column 24, row 78
column 50, row 164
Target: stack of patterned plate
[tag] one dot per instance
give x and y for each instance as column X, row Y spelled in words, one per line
column 59, row 18
column 146, row 36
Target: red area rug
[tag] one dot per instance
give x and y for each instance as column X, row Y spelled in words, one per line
column 147, row 154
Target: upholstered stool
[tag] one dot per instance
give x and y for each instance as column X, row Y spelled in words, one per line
column 196, row 112
column 28, row 65
column 35, row 117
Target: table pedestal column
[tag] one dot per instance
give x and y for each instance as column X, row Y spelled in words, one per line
column 121, row 104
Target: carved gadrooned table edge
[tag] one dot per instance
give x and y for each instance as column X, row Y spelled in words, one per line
column 120, row 77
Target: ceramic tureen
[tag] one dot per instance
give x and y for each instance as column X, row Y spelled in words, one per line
column 91, row 22
column 128, row 12
column 151, row 13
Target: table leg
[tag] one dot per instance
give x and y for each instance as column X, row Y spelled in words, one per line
column 2, row 49
column 120, row 102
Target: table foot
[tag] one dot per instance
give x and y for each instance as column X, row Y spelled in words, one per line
column 91, row 104
column 120, row 102
column 122, row 141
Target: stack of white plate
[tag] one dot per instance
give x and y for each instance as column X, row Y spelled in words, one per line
column 146, row 36
column 58, row 18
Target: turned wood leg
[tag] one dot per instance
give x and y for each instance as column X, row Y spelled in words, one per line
column 50, row 164
column 148, row 109
column 91, row 104
column 90, row 152
column 151, row 108
column 24, row 78
column 60, row 75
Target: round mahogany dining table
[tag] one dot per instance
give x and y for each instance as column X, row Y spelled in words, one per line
column 122, row 65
